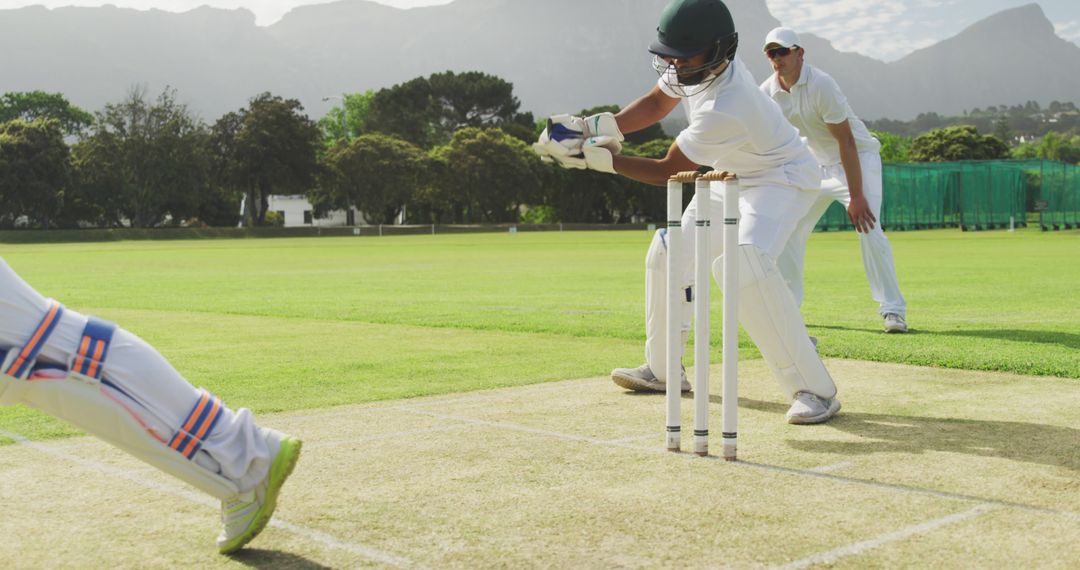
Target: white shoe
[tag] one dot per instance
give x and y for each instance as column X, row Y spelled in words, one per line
column 247, row 514
column 810, row 409
column 642, row 379
column 895, row 323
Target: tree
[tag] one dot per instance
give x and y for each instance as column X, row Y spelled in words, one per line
column 144, row 162
column 406, row 111
column 894, row 148
column 1002, row 130
column 377, row 173
column 40, row 105
column 960, row 142
column 427, row 111
column 267, row 148
column 926, row 121
column 489, row 175
column 348, row 120
column 472, row 99
column 1053, row 146
column 34, row 171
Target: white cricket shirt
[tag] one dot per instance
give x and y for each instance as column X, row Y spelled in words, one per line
column 813, row 101
column 737, row 128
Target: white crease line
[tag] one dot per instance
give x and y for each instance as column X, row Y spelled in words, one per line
column 833, row 467
column 750, row 465
column 327, row 540
column 320, row 537
column 860, row 547
column 632, row 439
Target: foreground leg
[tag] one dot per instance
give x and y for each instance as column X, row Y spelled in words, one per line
column 768, row 312
column 111, row 384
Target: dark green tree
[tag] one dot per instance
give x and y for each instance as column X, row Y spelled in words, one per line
column 960, row 142
column 144, row 162
column 427, row 111
column 489, row 175
column 377, row 173
column 34, row 171
column 472, row 99
column 1003, row 131
column 406, row 111
column 41, row 105
column 267, row 148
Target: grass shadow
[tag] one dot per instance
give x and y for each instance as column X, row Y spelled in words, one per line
column 260, row 558
column 1065, row 339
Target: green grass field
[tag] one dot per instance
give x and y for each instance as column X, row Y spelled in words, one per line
column 306, row 323
column 453, row 399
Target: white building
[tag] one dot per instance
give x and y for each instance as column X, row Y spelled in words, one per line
column 297, row 212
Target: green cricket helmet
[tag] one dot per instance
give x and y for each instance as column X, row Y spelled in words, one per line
column 690, row 27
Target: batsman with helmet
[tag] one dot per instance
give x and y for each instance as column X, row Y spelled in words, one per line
column 733, row 127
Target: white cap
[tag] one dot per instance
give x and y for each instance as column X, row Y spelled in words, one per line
column 783, row 37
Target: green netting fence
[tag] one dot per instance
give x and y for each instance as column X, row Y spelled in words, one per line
column 974, row 195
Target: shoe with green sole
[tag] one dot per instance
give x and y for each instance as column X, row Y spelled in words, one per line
column 247, row 514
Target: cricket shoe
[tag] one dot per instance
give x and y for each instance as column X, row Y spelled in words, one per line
column 247, row 514
column 895, row 323
column 810, row 409
column 642, row 379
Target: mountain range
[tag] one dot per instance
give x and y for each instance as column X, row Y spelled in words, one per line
column 561, row 55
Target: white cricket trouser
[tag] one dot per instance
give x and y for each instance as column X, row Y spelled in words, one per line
column 876, row 251
column 768, row 216
column 235, row 448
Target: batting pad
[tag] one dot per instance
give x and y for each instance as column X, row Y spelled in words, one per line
column 99, row 412
column 656, row 307
column 768, row 312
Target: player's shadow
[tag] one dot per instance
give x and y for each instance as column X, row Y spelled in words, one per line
column 1056, row 446
column 1066, row 339
column 259, row 558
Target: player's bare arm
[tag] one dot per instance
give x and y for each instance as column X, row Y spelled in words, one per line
column 653, row 171
column 859, row 211
column 646, row 111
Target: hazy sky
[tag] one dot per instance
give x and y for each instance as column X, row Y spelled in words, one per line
column 884, row 29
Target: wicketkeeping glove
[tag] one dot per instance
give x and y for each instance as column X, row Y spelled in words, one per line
column 563, row 136
column 596, row 153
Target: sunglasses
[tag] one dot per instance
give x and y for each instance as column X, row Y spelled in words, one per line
column 779, row 52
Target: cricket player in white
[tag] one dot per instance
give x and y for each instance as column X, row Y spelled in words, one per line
column 851, row 170
column 110, row 383
column 733, row 127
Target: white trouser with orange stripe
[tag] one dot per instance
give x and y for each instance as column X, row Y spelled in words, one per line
column 141, row 403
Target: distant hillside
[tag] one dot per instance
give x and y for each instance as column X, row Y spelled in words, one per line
column 561, row 55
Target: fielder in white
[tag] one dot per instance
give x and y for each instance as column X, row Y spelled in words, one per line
column 851, row 170
column 733, row 127
column 110, row 383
